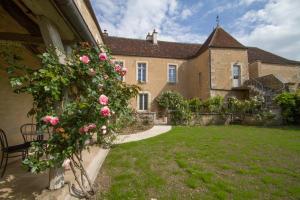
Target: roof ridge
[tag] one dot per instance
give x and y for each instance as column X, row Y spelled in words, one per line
column 158, row 40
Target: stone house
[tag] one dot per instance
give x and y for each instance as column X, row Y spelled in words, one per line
column 220, row 66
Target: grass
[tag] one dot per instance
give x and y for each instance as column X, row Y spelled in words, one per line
column 215, row 162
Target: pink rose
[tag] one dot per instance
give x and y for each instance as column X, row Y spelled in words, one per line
column 54, row 121
column 103, row 100
column 47, row 119
column 85, row 129
column 92, row 126
column 102, row 56
column 123, row 71
column 92, row 72
column 85, row 59
column 118, row 68
column 105, row 111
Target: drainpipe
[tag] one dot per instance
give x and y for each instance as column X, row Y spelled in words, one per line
column 70, row 11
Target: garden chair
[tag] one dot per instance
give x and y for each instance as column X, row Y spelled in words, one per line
column 19, row 150
column 30, row 133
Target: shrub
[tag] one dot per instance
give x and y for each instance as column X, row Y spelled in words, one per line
column 177, row 106
column 214, row 104
column 290, row 106
column 195, row 105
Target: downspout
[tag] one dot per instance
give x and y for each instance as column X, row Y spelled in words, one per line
column 70, row 11
column 209, row 64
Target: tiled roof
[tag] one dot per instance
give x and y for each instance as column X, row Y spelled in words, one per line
column 144, row 48
column 218, row 39
column 255, row 54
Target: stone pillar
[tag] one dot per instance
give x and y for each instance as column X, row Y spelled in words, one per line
column 52, row 39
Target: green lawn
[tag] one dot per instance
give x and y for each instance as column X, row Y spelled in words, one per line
column 214, row 162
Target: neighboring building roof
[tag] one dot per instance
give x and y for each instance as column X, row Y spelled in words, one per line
column 256, row 54
column 144, row 48
column 219, row 38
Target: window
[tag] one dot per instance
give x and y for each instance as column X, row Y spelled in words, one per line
column 143, row 101
column 236, row 75
column 121, row 63
column 172, row 74
column 141, row 72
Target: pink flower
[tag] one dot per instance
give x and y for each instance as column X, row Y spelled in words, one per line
column 85, row 129
column 85, row 59
column 105, row 111
column 118, row 68
column 103, row 100
column 102, row 56
column 92, row 72
column 123, row 71
column 54, row 121
column 47, row 118
column 92, row 126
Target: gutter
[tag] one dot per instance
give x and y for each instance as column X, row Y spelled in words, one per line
column 71, row 13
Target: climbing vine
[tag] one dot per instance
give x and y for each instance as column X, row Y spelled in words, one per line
column 74, row 100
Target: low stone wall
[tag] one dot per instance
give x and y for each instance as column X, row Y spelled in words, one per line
column 146, row 117
column 204, row 119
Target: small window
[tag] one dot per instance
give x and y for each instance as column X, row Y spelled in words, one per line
column 172, row 74
column 142, row 70
column 121, row 63
column 143, row 101
column 236, row 75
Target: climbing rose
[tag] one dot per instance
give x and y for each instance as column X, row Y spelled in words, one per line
column 85, row 59
column 103, row 100
column 47, row 119
column 54, row 121
column 118, row 68
column 92, row 126
column 102, row 56
column 105, row 111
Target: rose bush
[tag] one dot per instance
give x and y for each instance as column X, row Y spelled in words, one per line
column 74, row 100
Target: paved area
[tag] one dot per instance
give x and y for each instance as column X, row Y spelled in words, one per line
column 154, row 131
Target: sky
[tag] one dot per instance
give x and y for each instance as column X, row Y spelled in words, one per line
column 273, row 25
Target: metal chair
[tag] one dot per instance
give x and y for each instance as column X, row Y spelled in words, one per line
column 8, row 151
column 29, row 133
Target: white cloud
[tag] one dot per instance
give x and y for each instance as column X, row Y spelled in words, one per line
column 248, row 2
column 274, row 28
column 135, row 18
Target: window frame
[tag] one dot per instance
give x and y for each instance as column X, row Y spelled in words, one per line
column 148, row 103
column 176, row 71
column 240, row 74
column 137, row 71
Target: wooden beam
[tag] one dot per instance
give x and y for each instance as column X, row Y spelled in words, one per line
column 17, row 13
column 22, row 38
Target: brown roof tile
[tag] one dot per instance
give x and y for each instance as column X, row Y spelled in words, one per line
column 255, row 54
column 219, row 38
column 136, row 47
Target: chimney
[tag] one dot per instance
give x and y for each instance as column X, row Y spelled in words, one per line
column 105, row 33
column 154, row 37
column 149, row 37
